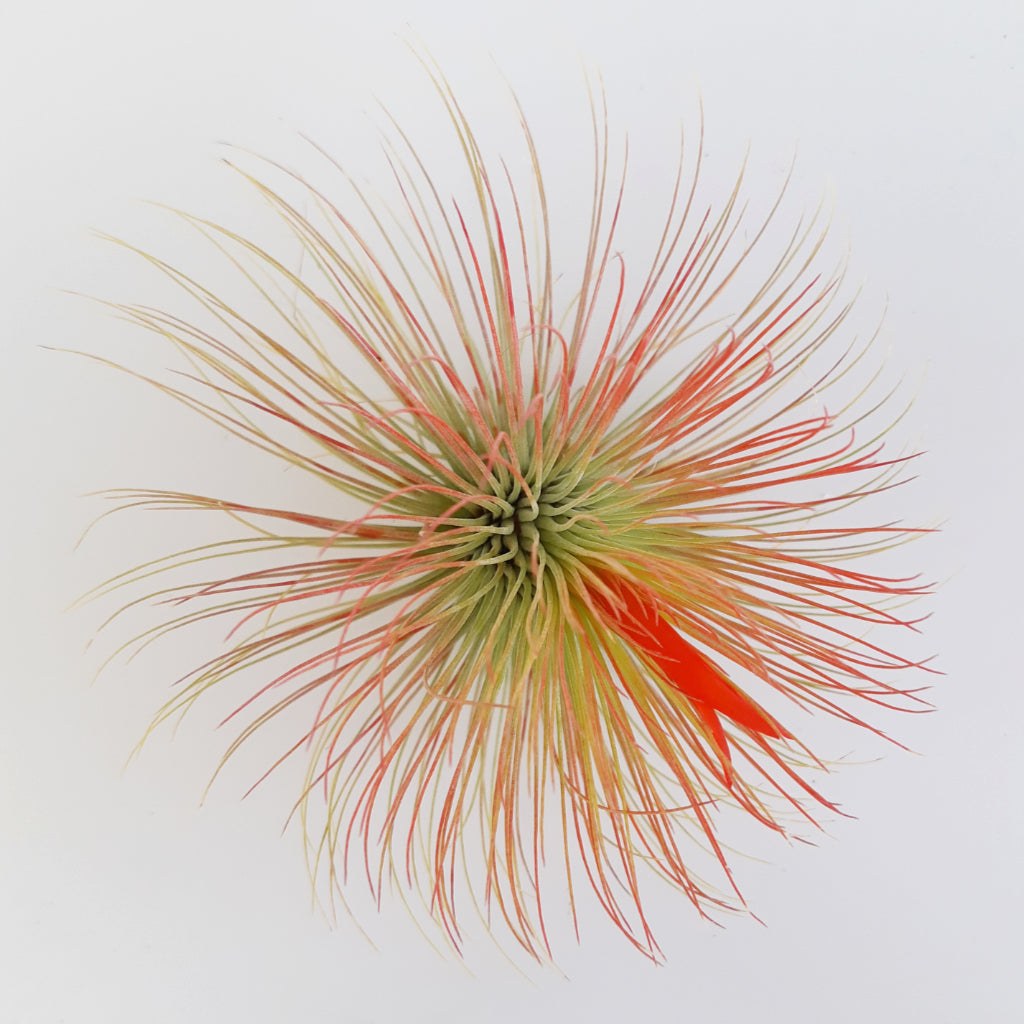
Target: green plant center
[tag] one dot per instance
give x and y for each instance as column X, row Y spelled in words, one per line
column 527, row 530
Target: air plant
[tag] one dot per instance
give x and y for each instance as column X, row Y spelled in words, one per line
column 601, row 563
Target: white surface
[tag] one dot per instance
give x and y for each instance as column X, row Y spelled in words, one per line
column 120, row 899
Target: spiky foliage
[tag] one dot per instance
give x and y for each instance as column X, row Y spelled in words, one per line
column 582, row 532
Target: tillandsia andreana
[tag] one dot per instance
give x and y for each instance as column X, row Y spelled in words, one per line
column 596, row 540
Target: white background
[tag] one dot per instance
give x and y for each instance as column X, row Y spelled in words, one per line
column 121, row 899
